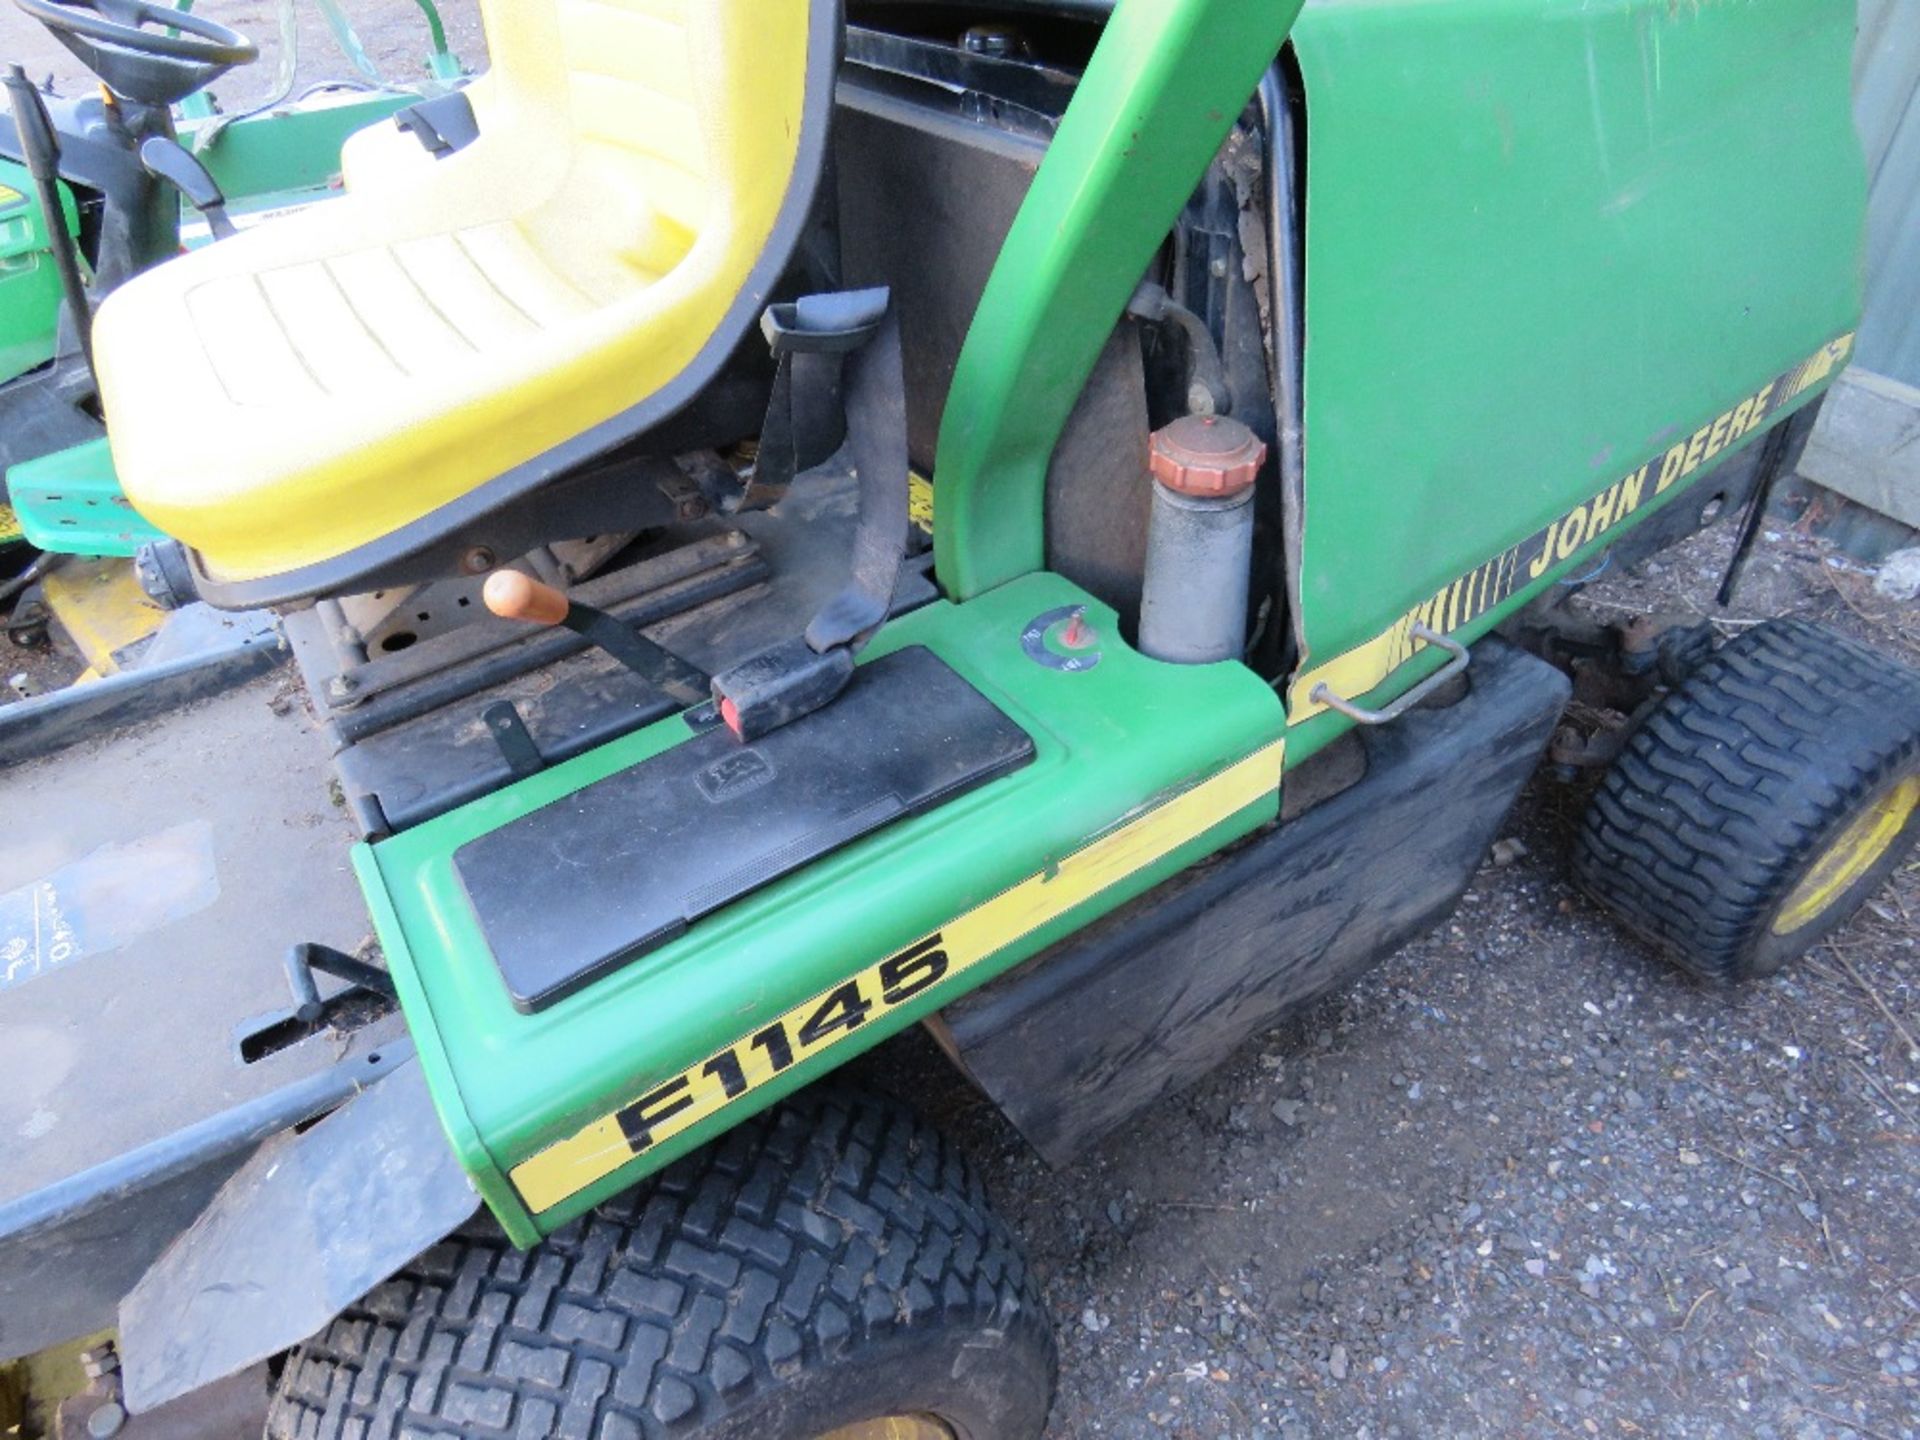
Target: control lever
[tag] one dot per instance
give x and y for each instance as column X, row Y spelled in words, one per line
column 306, row 957
column 40, row 150
column 514, row 596
column 167, row 159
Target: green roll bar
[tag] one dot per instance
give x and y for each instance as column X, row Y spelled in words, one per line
column 1166, row 83
column 442, row 63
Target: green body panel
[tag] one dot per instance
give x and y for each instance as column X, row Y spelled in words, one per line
column 1544, row 240
column 70, row 503
column 1110, row 741
column 1166, row 82
column 29, row 285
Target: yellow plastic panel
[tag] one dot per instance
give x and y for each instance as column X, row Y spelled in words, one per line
column 102, row 610
column 288, row 395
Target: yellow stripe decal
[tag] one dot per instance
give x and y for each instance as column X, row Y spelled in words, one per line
column 701, row 1091
column 1360, row 669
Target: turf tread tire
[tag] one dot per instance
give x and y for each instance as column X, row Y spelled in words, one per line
column 1736, row 782
column 749, row 1288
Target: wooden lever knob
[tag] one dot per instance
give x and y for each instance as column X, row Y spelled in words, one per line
column 513, row 596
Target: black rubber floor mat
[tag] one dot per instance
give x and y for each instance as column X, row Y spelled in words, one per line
column 581, row 886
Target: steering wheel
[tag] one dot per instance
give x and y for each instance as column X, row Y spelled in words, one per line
column 158, row 65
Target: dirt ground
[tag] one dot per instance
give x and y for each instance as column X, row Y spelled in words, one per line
column 1523, row 1179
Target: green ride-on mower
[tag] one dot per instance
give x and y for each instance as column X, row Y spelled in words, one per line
column 757, row 523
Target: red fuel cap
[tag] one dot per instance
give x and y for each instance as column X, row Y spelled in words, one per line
column 1209, row 455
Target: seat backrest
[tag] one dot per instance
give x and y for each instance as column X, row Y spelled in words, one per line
column 679, row 119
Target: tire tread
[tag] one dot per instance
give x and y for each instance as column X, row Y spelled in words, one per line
column 1721, row 797
column 785, row 1243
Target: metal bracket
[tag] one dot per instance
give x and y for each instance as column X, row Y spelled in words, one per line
column 509, row 732
column 1322, row 694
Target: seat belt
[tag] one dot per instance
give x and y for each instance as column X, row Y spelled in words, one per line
column 858, row 334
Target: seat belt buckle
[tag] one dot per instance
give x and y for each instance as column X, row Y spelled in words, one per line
column 779, row 685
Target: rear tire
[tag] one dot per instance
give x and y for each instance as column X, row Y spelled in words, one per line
column 1760, row 803
column 829, row 1262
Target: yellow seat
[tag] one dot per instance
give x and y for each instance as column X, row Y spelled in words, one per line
column 311, row 398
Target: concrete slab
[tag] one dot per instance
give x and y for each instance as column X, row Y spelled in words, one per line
column 1866, row 445
column 150, row 885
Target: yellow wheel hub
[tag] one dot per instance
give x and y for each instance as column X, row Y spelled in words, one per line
column 893, row 1427
column 1850, row 856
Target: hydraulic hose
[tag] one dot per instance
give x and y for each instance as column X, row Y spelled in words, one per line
column 41, row 567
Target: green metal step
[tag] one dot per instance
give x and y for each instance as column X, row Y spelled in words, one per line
column 70, row 503
column 1140, row 768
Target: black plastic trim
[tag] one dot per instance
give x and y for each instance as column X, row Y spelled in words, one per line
column 1144, row 1001
column 573, row 890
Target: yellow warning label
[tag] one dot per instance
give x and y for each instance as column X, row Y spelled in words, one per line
column 9, row 197
column 701, row 1091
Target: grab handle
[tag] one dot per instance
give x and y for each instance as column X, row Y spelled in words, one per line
column 1322, row 694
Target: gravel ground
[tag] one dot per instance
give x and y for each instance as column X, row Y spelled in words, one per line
column 1522, row 1179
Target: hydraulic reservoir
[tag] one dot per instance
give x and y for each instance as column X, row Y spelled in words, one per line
column 1193, row 610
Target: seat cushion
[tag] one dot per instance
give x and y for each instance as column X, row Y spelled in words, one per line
column 286, row 396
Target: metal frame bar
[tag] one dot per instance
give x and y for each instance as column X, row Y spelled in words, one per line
column 40, row 726
column 1286, row 340
column 185, row 1150
column 1322, row 694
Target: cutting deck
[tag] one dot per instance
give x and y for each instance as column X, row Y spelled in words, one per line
column 147, row 899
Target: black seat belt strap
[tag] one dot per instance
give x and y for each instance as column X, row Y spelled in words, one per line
column 860, row 329
column 876, row 412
